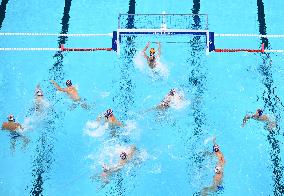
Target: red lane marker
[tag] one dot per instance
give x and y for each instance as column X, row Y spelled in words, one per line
column 262, row 47
column 237, row 50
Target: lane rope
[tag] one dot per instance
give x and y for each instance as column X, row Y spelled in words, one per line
column 249, row 35
column 56, row 34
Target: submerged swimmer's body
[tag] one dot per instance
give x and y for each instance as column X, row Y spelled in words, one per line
column 259, row 116
column 72, row 93
column 152, row 60
column 168, row 99
column 125, row 157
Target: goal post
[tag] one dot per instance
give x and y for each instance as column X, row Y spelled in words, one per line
column 163, row 24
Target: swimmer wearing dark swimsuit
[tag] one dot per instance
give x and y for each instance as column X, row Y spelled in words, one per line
column 152, row 59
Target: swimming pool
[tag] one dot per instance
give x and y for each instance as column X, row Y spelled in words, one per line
column 66, row 149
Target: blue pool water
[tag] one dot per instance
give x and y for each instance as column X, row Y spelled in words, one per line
column 66, row 148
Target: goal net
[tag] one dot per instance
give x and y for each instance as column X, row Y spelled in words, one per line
column 171, row 28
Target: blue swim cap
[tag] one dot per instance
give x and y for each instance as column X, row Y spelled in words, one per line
column 123, row 155
column 215, row 148
column 108, row 113
column 68, row 83
column 260, row 112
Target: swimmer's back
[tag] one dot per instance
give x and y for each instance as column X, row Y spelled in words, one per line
column 11, row 126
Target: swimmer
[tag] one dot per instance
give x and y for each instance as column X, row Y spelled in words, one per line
column 218, row 153
column 110, row 118
column 39, row 99
column 72, row 92
column 166, row 102
column 125, row 157
column 219, row 171
column 14, row 128
column 259, row 116
column 11, row 125
column 152, row 59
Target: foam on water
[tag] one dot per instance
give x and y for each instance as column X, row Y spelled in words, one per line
column 178, row 101
column 95, row 128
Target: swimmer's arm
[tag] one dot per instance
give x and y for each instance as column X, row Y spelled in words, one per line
column 118, row 123
column 159, row 50
column 144, row 51
column 21, row 127
column 118, row 167
column 57, row 86
column 146, row 47
column 132, row 151
column 245, row 119
column 214, row 141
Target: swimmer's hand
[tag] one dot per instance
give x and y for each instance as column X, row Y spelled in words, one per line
column 245, row 119
column 214, row 140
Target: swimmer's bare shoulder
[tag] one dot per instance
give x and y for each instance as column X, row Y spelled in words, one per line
column 11, row 126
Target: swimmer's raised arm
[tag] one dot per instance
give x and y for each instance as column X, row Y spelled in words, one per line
column 57, row 86
column 144, row 50
column 214, row 141
column 146, row 47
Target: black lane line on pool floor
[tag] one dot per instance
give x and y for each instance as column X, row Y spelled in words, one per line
column 3, row 11
column 196, row 86
column 125, row 95
column 45, row 144
column 272, row 103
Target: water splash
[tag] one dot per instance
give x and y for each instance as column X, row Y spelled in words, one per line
column 95, row 129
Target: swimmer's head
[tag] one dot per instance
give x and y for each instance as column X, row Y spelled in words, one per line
column 68, row 83
column 39, row 93
column 259, row 111
column 215, row 148
column 218, row 169
column 108, row 113
column 152, row 52
column 11, row 118
column 172, row 92
column 123, row 155
column 105, row 168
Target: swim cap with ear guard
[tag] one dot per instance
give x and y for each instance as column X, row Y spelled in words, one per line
column 11, row 118
column 108, row 113
column 68, row 83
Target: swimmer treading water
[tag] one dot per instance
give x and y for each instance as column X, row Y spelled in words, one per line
column 219, row 171
column 259, row 116
column 152, row 59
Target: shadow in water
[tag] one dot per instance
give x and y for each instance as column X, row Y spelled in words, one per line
column 272, row 103
column 45, row 143
column 125, row 95
column 3, row 11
